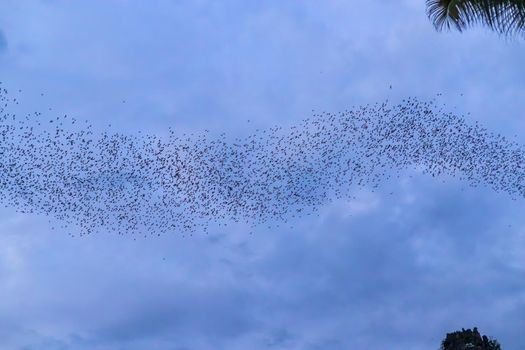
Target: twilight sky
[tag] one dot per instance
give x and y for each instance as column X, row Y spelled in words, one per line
column 381, row 271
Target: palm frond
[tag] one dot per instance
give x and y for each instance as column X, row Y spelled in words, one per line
column 506, row 17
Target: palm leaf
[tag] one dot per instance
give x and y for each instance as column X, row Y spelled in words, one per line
column 505, row 17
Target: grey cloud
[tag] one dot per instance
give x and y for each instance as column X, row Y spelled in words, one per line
column 15, row 337
column 364, row 273
column 214, row 315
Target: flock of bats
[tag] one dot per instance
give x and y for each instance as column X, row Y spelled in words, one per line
column 151, row 185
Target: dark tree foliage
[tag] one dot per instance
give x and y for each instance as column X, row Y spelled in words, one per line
column 506, row 17
column 469, row 340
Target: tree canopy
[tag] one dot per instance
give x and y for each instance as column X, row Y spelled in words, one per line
column 469, row 340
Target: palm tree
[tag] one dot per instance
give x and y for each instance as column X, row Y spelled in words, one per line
column 506, row 17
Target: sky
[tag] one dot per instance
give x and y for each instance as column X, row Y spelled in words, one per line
column 393, row 268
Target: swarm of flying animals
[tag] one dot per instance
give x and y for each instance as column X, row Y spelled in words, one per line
column 152, row 185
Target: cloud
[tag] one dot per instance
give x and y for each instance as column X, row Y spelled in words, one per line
column 363, row 281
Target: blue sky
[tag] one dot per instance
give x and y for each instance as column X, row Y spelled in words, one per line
column 379, row 271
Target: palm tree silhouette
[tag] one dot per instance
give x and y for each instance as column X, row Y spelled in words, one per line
column 506, row 17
